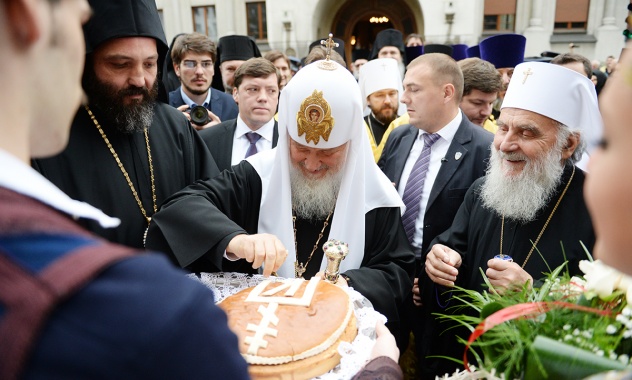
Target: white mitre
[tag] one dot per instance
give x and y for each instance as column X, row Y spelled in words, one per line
column 558, row 93
column 321, row 107
column 380, row 74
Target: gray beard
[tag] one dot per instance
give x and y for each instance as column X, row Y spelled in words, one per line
column 521, row 197
column 314, row 199
column 135, row 118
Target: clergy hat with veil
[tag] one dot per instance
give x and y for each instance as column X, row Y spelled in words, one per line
column 233, row 48
column 321, row 107
column 380, row 74
column 125, row 18
column 558, row 93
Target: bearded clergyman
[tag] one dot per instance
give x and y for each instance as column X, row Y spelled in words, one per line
column 381, row 87
column 128, row 151
column 527, row 216
column 276, row 209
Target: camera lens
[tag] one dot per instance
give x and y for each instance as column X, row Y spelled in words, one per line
column 199, row 116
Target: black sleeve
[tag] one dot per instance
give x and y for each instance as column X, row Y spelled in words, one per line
column 195, row 225
column 386, row 273
column 380, row 368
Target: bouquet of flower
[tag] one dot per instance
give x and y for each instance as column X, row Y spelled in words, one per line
column 567, row 328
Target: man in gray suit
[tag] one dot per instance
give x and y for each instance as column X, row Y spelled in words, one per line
column 256, row 92
column 432, row 162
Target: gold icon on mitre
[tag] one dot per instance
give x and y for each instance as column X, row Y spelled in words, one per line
column 314, row 118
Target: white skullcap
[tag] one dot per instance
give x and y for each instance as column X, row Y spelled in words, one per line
column 332, row 95
column 379, row 74
column 558, row 93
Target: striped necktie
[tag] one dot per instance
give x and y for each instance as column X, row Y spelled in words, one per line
column 415, row 185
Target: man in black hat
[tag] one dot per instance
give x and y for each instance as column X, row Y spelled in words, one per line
column 232, row 52
column 127, row 151
column 389, row 43
column 359, row 58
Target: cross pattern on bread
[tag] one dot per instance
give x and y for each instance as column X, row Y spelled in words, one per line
column 258, row 294
column 262, row 329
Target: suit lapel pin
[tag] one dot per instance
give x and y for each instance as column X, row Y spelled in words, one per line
column 457, row 155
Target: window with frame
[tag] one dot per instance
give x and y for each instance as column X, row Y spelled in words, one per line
column 571, row 15
column 205, row 21
column 257, row 23
column 499, row 16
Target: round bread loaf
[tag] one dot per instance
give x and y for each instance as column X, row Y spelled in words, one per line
column 291, row 329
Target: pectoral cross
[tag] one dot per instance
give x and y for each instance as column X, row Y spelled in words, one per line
column 299, row 269
column 526, row 74
column 329, row 44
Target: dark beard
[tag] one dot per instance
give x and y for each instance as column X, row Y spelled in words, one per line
column 195, row 91
column 385, row 120
column 127, row 118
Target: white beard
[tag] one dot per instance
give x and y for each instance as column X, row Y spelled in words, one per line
column 520, row 197
column 314, row 198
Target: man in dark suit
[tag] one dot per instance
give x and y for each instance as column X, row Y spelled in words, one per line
column 193, row 57
column 432, row 162
column 254, row 130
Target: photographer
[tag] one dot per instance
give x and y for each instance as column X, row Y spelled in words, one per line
column 256, row 92
column 193, row 58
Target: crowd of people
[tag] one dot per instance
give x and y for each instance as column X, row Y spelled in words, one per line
column 434, row 163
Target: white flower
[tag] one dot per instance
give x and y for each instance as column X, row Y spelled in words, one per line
column 611, row 329
column 603, row 279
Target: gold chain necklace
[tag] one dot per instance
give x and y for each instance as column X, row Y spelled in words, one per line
column 120, row 165
column 299, row 269
column 502, row 225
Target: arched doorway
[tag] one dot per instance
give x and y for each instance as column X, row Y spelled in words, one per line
column 357, row 22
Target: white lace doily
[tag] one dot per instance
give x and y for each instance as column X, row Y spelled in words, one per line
column 354, row 355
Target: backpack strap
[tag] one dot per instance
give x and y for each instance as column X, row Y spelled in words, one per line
column 30, row 298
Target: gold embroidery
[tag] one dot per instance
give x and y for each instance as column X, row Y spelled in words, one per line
column 314, row 118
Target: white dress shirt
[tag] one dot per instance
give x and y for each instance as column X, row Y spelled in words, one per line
column 241, row 143
column 21, row 178
column 438, row 151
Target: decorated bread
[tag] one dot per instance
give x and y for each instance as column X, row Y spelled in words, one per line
column 291, row 329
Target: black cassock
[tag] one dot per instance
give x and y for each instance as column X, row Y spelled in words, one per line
column 87, row 171
column 475, row 234
column 195, row 226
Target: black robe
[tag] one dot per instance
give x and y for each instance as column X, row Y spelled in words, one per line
column 87, row 171
column 377, row 128
column 475, row 234
column 196, row 225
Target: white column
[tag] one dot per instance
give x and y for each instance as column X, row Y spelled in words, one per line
column 537, row 35
column 609, row 13
column 609, row 35
column 536, row 14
